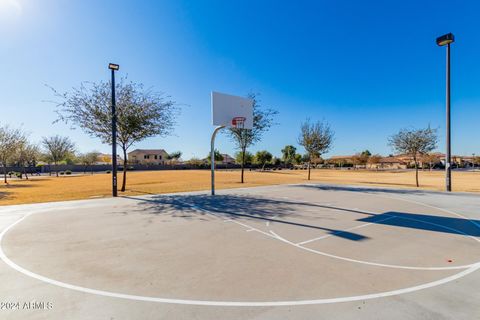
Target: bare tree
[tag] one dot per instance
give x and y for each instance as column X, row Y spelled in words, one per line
column 431, row 159
column 26, row 155
column 88, row 160
column 141, row 113
column 316, row 138
column 244, row 138
column 360, row 159
column 58, row 149
column 10, row 140
column 374, row 160
column 414, row 142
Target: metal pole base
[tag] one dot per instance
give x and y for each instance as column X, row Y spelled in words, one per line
column 212, row 156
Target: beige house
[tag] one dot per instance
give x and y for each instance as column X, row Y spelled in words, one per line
column 388, row 163
column 148, row 156
column 105, row 158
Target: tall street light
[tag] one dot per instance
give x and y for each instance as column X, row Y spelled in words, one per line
column 446, row 40
column 114, row 67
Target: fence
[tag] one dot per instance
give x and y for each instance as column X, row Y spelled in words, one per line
column 100, row 168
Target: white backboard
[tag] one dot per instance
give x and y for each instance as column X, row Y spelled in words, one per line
column 225, row 107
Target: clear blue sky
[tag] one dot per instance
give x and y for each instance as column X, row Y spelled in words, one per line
column 367, row 67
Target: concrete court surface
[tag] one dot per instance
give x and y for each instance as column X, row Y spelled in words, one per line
column 307, row 251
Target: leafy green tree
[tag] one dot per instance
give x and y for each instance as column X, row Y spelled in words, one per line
column 245, row 138
column 216, row 155
column 298, row 158
column 263, row 157
column 174, row 156
column 288, row 154
column 276, row 161
column 246, row 158
column 365, row 153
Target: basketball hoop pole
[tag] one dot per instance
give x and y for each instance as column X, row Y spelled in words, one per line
column 212, row 156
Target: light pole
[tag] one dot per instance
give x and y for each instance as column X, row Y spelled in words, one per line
column 114, row 67
column 447, row 39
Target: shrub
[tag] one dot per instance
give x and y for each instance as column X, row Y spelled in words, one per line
column 68, row 172
column 61, row 173
column 108, row 172
column 18, row 174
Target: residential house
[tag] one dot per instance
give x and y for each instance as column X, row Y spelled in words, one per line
column 148, row 156
column 227, row 159
column 106, row 158
column 388, row 163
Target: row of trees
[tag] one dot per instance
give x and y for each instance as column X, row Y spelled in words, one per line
column 16, row 150
column 143, row 113
column 315, row 137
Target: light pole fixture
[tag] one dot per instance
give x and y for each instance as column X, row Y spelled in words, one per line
column 114, row 67
column 446, row 40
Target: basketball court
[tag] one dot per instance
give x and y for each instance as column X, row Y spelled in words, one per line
column 299, row 251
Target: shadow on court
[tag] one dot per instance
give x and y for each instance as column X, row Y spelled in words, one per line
column 235, row 207
column 284, row 211
column 371, row 189
column 427, row 223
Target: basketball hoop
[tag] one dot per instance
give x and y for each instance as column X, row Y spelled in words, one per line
column 238, row 122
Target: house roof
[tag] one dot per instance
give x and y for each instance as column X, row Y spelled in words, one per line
column 227, row 156
column 391, row 160
column 148, row 151
column 340, row 157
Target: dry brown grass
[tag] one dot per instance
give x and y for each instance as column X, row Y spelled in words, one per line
column 44, row 189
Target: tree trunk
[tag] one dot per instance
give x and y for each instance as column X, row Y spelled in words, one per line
column 56, row 169
column 124, row 181
column 308, row 170
column 243, row 164
column 416, row 171
column 263, row 167
column 5, row 173
column 25, row 172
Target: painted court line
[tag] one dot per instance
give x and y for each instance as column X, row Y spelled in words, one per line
column 469, row 269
